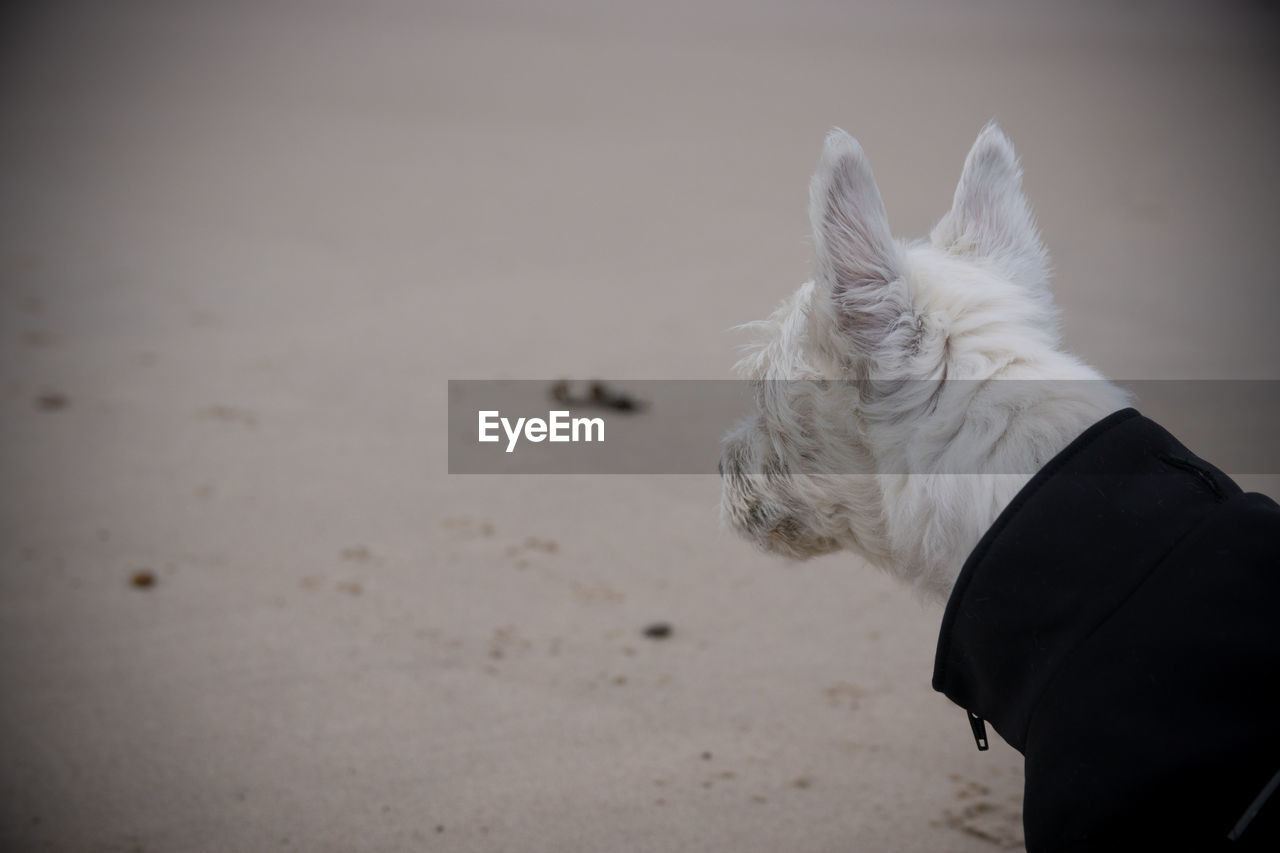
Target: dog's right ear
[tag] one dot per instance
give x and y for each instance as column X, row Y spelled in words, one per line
column 859, row 265
column 990, row 217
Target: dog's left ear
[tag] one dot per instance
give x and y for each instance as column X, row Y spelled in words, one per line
column 990, row 217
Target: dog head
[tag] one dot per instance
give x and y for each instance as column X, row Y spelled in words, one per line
column 853, row 371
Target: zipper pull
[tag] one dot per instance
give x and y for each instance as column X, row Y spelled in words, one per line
column 979, row 730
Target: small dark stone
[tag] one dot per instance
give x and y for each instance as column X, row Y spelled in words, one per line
column 142, row 579
column 52, row 401
column 602, row 395
column 658, row 631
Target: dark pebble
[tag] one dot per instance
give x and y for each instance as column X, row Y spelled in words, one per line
column 658, row 631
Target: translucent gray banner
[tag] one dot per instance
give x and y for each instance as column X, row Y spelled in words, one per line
column 676, row 426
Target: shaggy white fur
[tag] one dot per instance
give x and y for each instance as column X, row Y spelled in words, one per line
column 925, row 342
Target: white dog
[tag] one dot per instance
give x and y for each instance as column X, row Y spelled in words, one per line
column 890, row 463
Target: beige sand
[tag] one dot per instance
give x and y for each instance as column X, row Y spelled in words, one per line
column 244, row 248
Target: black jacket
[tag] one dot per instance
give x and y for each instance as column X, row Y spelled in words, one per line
column 1119, row 625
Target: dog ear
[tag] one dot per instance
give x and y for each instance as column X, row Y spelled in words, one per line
column 858, row 262
column 990, row 217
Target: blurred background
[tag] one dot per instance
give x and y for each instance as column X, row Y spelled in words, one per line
column 244, row 245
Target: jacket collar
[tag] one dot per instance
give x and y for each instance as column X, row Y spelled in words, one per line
column 1083, row 533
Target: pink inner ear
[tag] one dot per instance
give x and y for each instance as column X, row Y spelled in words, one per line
column 860, row 265
column 860, row 250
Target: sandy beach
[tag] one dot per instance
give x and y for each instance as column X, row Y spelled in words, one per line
column 243, row 604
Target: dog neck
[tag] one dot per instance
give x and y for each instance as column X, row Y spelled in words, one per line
column 934, row 520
